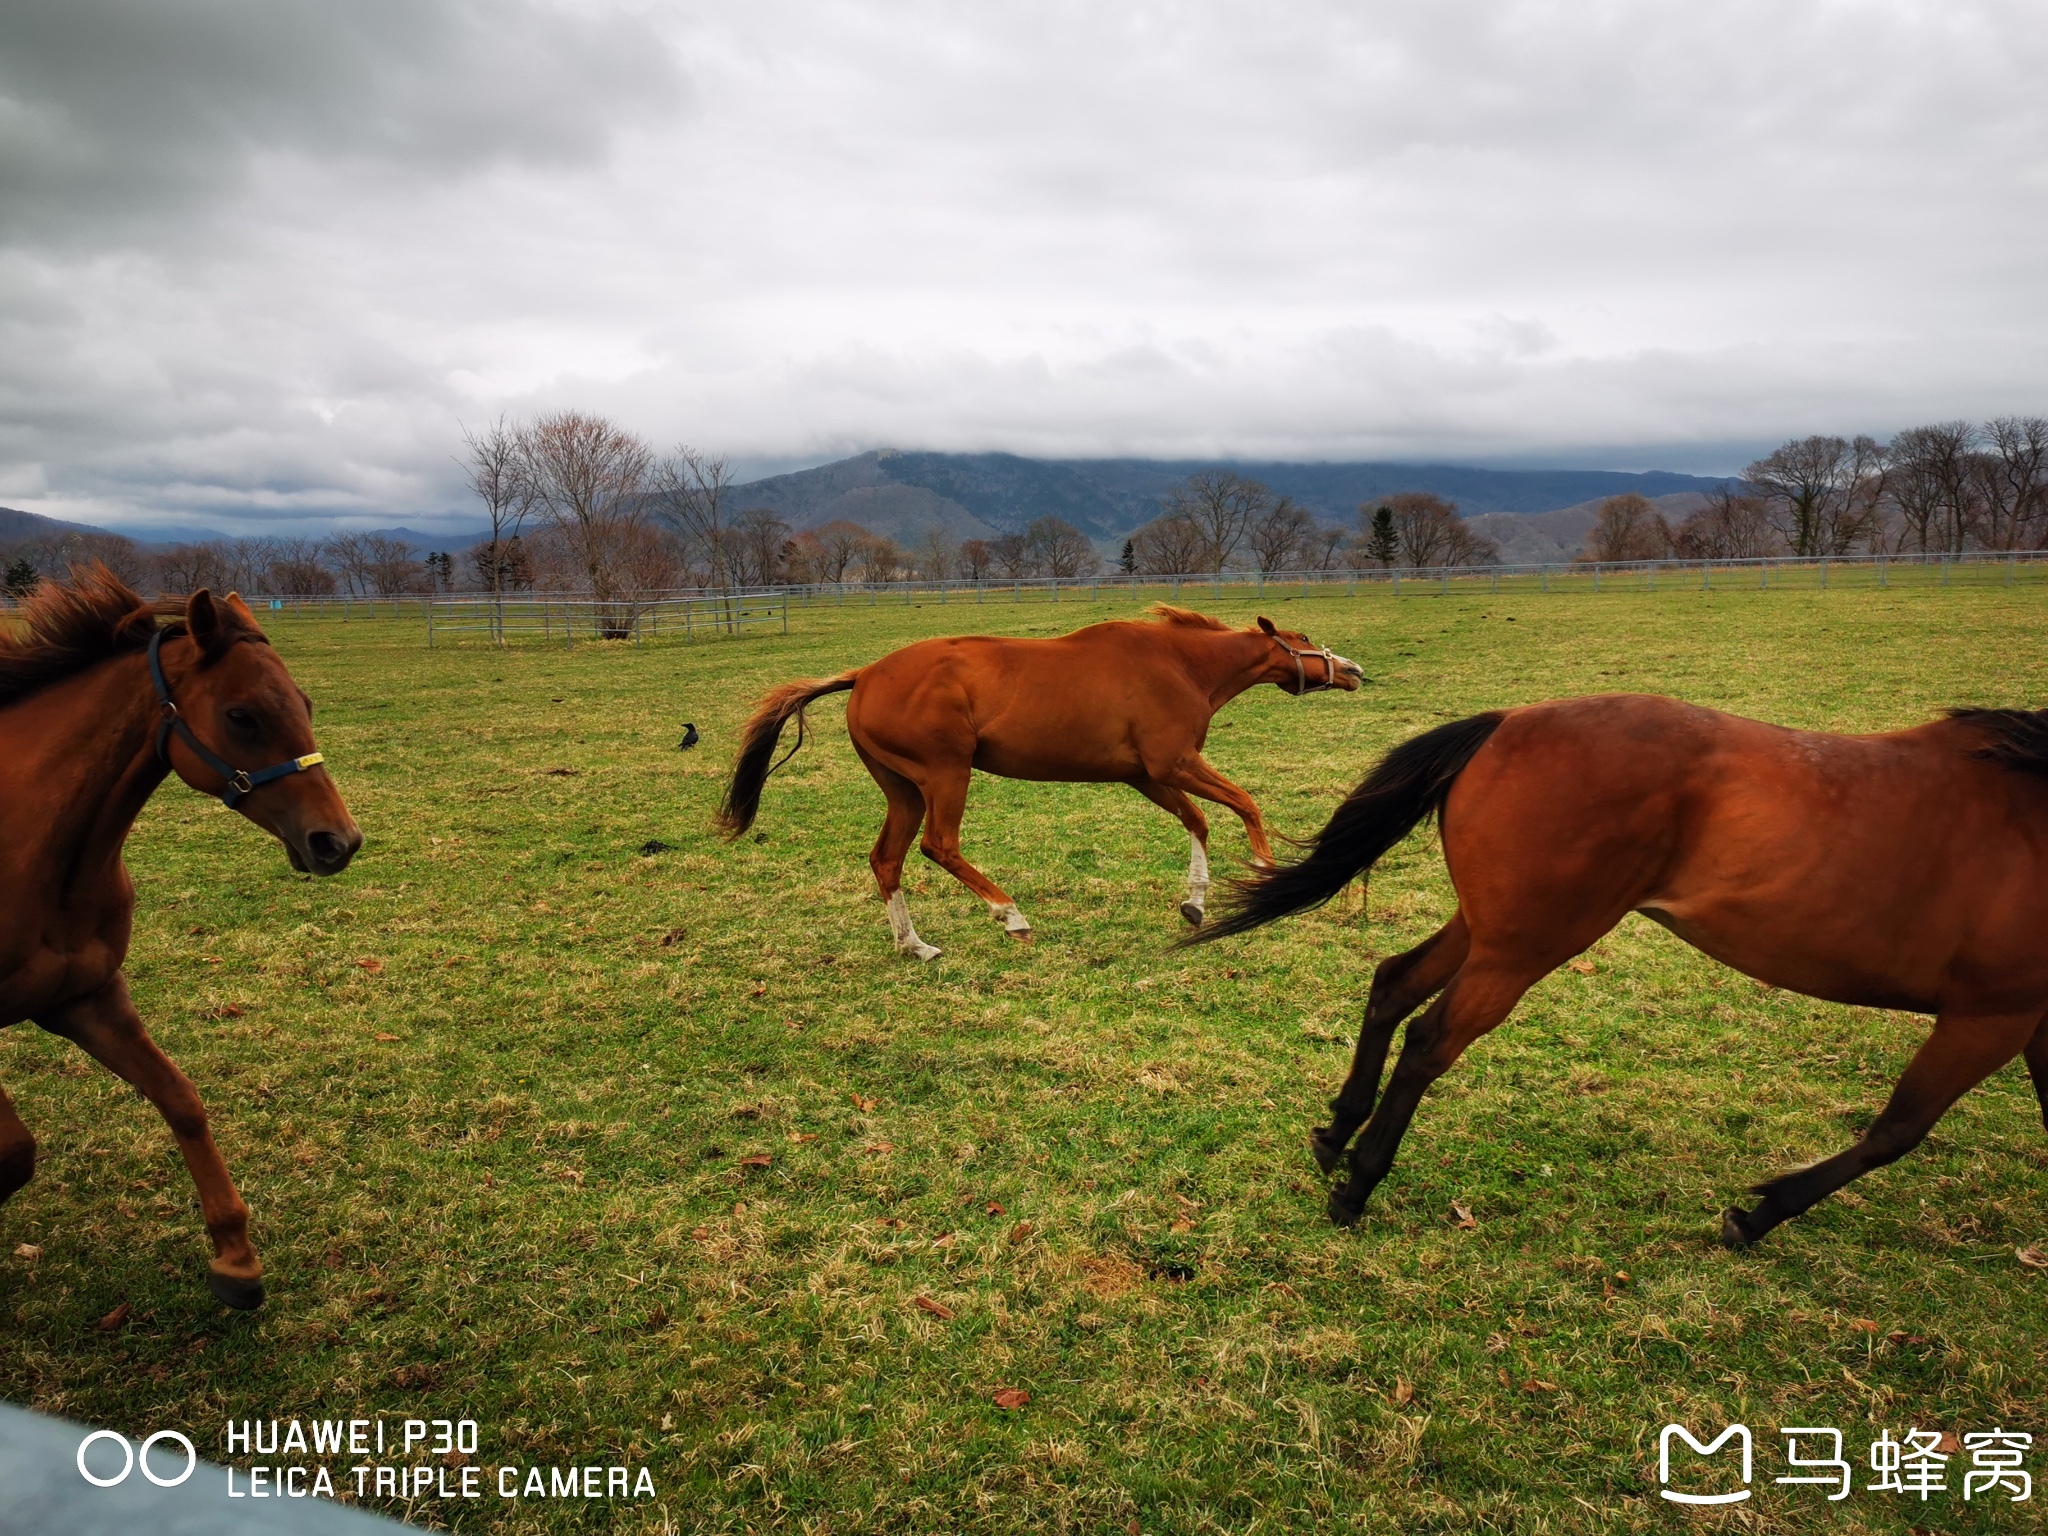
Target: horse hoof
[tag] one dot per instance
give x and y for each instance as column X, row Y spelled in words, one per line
column 1326, row 1153
column 1735, row 1232
column 232, row 1290
column 1342, row 1212
column 1021, row 935
column 1192, row 913
column 921, row 951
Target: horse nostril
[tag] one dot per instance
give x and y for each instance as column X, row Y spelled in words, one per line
column 328, row 850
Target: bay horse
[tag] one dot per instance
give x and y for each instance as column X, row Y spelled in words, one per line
column 1906, row 871
column 99, row 702
column 1127, row 702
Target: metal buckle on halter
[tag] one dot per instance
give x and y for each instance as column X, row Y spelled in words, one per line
column 241, row 783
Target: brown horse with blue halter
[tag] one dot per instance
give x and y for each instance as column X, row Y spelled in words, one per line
column 99, row 702
column 1906, row 871
column 1125, row 702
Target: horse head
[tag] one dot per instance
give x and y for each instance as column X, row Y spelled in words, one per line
column 236, row 726
column 1306, row 667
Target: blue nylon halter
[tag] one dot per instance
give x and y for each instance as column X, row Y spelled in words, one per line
column 239, row 781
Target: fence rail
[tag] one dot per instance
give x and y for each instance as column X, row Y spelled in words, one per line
column 691, row 611
column 568, row 619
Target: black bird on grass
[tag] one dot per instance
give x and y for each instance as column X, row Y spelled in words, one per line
column 689, row 737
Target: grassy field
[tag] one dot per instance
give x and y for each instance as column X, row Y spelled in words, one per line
column 653, row 1159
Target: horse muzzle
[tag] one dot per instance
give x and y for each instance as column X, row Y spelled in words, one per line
column 324, row 850
column 1347, row 674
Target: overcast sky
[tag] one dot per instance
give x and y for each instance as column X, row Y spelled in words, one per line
column 260, row 259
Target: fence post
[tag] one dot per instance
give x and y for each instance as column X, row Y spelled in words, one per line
column 1546, row 578
column 430, row 624
column 1596, row 575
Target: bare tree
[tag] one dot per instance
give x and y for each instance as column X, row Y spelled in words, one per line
column 758, row 537
column 179, row 568
column 1822, row 493
column 1931, row 483
column 1060, row 549
column 1222, row 505
column 589, row 480
column 1629, row 529
column 1321, row 546
column 935, row 554
column 879, row 558
column 2013, row 482
column 498, row 470
column 693, row 491
column 1172, row 544
column 839, row 546
column 391, row 564
column 976, row 559
column 296, row 566
column 1733, row 525
column 1012, row 554
column 1279, row 535
column 1432, row 534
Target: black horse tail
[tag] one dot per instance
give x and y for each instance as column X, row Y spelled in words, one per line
column 751, row 768
column 1406, row 786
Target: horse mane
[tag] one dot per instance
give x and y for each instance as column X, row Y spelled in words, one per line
column 2018, row 738
column 63, row 627
column 1186, row 618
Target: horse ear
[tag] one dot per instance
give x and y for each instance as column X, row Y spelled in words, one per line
column 242, row 614
column 208, row 622
column 1267, row 625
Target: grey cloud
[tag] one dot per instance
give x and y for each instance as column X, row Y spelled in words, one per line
column 115, row 112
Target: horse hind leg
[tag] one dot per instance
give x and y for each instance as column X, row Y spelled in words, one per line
column 899, row 828
column 1477, row 998
column 1961, row 1052
column 2037, row 1066
column 1400, row 985
column 17, row 1149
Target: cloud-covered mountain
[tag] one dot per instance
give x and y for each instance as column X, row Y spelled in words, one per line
column 975, row 495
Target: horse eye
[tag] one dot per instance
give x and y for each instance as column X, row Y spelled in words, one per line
column 241, row 719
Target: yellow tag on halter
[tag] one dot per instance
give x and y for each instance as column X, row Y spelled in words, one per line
column 309, row 760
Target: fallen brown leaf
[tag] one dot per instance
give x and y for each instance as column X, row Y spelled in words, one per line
column 1011, row 1397
column 1533, row 1385
column 1948, row 1445
column 937, row 1309
column 1461, row 1217
column 1020, row 1231
column 115, row 1318
column 1404, row 1391
column 1862, row 1325
column 1182, row 1224
column 224, row 1011
column 803, row 1135
column 761, row 990
column 995, row 1208
column 879, row 1147
column 1583, row 966
column 371, row 964
column 757, row 1160
column 864, row 1104
column 888, row 1221
column 387, row 1039
column 2033, row 1258
column 27, row 1251
column 699, row 1234
column 332, row 1258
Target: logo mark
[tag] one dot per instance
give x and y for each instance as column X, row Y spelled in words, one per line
column 130, row 1457
column 1739, row 1432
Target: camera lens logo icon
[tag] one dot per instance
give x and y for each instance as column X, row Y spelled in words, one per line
column 131, row 1458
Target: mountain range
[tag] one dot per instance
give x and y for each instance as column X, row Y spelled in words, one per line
column 980, row 495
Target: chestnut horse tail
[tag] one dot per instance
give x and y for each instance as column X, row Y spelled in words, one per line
column 757, row 749
column 1406, row 786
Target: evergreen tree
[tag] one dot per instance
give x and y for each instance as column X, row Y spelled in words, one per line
column 21, row 579
column 1381, row 542
column 1127, row 562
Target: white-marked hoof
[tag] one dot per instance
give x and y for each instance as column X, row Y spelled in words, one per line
column 1192, row 911
column 1021, row 935
column 922, row 951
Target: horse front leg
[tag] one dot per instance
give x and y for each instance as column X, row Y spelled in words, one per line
column 1962, row 1051
column 1196, row 777
column 1191, row 817
column 106, row 1027
column 2037, row 1066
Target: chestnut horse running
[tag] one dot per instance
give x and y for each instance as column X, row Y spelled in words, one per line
column 1120, row 703
column 98, row 703
column 1905, row 871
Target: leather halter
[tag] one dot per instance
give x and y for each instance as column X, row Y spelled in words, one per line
column 239, row 781
column 1329, row 661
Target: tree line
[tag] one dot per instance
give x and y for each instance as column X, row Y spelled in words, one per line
column 1946, row 488
column 1218, row 520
